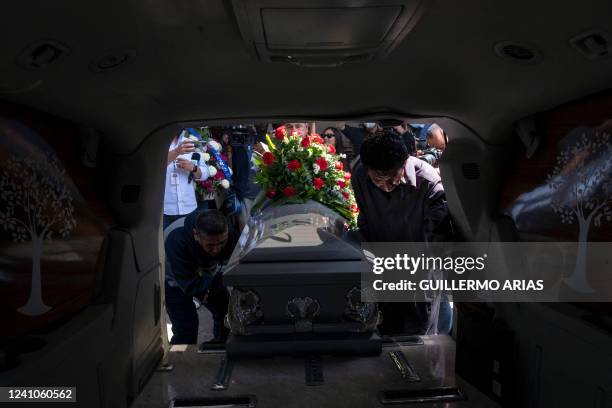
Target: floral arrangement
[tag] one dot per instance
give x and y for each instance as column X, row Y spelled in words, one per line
column 294, row 169
column 216, row 181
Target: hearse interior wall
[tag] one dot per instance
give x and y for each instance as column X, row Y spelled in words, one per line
column 109, row 349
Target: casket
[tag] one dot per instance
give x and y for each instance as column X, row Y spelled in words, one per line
column 294, row 283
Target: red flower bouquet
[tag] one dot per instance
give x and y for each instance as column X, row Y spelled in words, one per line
column 297, row 169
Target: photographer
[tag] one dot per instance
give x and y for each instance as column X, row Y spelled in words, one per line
column 435, row 143
column 241, row 139
column 182, row 167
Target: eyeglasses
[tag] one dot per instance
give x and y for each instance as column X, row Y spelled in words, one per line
column 328, row 135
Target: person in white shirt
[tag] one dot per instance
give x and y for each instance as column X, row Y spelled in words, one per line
column 179, row 197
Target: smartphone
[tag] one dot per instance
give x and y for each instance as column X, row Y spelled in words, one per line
column 195, row 158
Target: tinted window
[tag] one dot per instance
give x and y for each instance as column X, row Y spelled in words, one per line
column 52, row 222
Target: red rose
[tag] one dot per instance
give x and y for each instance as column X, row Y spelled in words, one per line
column 289, row 191
column 305, row 142
column 280, row 132
column 354, row 208
column 341, row 183
column 293, row 165
column 331, row 149
column 322, row 163
column 219, row 175
column 271, row 193
column 317, row 139
column 339, row 165
column 268, row 158
column 318, row 183
column 345, row 195
column 347, row 176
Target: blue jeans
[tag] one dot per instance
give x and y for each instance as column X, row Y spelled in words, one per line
column 445, row 315
column 184, row 317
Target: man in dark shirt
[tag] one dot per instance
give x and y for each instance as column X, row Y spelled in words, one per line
column 195, row 254
column 400, row 197
column 242, row 139
column 357, row 135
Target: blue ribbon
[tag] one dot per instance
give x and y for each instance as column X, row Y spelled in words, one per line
column 216, row 155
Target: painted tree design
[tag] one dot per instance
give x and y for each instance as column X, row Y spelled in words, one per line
column 35, row 206
column 581, row 182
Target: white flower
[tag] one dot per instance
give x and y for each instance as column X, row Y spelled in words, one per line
column 225, row 184
column 215, row 145
column 315, row 168
column 211, row 171
column 337, row 187
column 206, row 157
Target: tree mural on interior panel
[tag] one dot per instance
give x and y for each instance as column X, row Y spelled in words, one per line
column 35, row 206
column 581, row 183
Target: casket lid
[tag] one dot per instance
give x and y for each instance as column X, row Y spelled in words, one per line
column 307, row 232
column 302, row 244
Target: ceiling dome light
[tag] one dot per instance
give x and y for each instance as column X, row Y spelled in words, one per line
column 518, row 52
column 111, row 59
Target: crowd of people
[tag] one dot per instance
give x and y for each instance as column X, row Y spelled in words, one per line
column 397, row 186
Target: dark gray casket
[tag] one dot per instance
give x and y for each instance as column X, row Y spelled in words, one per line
column 294, row 282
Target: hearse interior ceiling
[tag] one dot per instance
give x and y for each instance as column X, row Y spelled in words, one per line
column 187, row 60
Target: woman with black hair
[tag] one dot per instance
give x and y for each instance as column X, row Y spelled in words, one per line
column 333, row 137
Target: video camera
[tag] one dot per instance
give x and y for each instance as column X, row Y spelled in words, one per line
column 240, row 135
